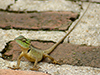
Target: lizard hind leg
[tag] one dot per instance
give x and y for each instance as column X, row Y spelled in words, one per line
column 54, row 61
column 35, row 67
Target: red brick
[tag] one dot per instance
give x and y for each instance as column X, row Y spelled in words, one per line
column 16, row 72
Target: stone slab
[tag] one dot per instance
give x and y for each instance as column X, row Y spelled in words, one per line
column 87, row 30
column 40, row 5
column 5, row 3
column 65, row 53
column 47, row 5
column 37, row 20
column 98, row 1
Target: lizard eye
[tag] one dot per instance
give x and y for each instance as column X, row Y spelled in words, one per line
column 28, row 51
column 24, row 40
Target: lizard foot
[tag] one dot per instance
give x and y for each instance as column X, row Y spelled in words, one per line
column 14, row 67
column 35, row 68
column 55, row 62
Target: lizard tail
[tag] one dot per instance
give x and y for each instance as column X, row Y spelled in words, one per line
column 69, row 31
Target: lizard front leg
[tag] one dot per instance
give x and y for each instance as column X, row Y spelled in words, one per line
column 18, row 62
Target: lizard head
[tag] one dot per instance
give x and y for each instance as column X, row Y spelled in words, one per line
column 22, row 41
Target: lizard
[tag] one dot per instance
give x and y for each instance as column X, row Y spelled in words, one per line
column 35, row 55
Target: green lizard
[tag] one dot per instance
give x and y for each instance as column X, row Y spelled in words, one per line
column 36, row 55
column 32, row 54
